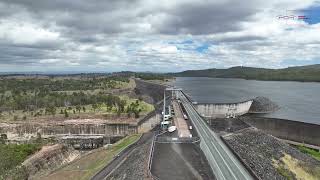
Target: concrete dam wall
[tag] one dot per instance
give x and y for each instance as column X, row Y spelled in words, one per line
column 50, row 129
column 286, row 129
column 223, row 110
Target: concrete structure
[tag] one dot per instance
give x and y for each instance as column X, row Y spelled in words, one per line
column 85, row 141
column 222, row 162
column 286, row 129
column 75, row 126
column 223, row 110
column 150, row 122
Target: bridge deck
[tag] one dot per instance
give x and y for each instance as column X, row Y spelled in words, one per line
column 223, row 163
column 179, row 121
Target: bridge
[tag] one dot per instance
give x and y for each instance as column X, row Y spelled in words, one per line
column 223, row 163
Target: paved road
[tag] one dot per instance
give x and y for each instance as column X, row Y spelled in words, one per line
column 122, row 156
column 179, row 121
column 224, row 164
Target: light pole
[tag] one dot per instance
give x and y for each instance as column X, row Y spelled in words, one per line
column 164, row 104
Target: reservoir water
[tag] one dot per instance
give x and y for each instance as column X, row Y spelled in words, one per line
column 299, row 101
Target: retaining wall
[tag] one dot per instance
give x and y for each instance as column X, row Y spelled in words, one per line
column 286, row 129
column 150, row 121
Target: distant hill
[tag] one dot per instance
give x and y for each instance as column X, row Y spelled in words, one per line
column 310, row 73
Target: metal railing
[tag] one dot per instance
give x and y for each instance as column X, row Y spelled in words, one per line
column 177, row 140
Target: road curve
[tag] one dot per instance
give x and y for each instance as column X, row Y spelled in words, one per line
column 222, row 161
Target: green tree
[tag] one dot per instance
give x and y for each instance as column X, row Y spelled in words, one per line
column 66, row 113
column 78, row 108
column 94, row 107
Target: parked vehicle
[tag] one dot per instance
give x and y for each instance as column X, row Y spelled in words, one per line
column 185, row 116
column 172, row 128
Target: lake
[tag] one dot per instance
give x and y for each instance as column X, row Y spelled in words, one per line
column 299, row 101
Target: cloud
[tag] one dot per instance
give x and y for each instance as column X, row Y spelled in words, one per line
column 146, row 35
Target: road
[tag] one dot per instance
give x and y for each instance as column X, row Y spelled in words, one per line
column 179, row 121
column 121, row 157
column 224, row 164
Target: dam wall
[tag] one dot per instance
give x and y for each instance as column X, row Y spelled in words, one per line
column 151, row 121
column 286, row 129
column 52, row 129
column 223, row 110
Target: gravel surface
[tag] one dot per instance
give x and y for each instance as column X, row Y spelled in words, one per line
column 258, row 150
column 135, row 167
column 227, row 125
column 180, row 161
column 263, row 105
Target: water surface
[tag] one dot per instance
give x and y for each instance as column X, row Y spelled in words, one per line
column 299, row 101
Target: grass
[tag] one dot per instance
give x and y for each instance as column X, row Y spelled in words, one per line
column 314, row 153
column 12, row 155
column 19, row 114
column 291, row 168
column 88, row 165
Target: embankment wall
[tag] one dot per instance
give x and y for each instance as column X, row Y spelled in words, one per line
column 287, row 129
column 150, row 92
column 47, row 129
column 48, row 159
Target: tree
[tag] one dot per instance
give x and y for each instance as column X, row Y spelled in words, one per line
column 51, row 110
column 94, row 107
column 78, row 108
column 66, row 113
column 121, row 105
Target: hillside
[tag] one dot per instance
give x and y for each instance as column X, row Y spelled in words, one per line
column 309, row 73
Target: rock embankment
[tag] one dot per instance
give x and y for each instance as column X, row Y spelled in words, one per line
column 267, row 156
column 136, row 164
column 263, row 105
column 48, row 159
column 227, row 125
column 150, row 92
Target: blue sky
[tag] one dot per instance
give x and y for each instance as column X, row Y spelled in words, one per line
column 313, row 14
column 156, row 36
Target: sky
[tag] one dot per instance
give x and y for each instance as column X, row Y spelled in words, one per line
column 156, row 36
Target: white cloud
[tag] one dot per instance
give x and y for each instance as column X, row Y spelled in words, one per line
column 25, row 33
column 151, row 35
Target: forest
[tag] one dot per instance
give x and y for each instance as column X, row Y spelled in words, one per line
column 25, row 98
column 310, row 73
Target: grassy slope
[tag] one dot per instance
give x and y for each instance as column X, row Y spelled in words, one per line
column 312, row 152
column 9, row 116
column 145, row 107
column 90, row 164
column 13, row 155
column 290, row 168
